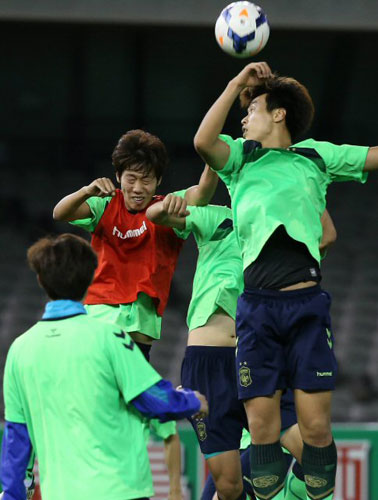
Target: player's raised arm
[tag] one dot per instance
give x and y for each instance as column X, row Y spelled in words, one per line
column 74, row 206
column 206, row 141
column 329, row 232
column 169, row 212
column 371, row 160
column 201, row 194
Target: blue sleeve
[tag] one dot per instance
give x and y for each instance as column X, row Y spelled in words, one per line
column 15, row 455
column 163, row 402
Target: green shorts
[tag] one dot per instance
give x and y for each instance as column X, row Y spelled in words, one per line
column 162, row 430
column 139, row 316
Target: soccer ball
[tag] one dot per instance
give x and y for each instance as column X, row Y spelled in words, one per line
column 242, row 29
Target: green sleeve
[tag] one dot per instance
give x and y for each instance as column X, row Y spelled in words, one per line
column 97, row 206
column 343, row 163
column 203, row 222
column 13, row 406
column 235, row 159
column 133, row 373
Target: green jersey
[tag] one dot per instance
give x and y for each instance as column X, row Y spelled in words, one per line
column 273, row 187
column 71, row 381
column 218, row 279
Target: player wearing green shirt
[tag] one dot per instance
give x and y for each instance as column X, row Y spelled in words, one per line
column 127, row 244
column 209, row 359
column 75, row 389
column 278, row 188
column 210, row 356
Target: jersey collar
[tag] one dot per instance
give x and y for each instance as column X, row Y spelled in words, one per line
column 62, row 309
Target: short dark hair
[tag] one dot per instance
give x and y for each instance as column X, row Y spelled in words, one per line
column 140, row 151
column 284, row 92
column 65, row 265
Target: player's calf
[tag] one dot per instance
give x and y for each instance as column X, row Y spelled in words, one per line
column 226, row 471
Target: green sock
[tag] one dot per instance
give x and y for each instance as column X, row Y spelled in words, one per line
column 295, row 489
column 319, row 468
column 268, row 471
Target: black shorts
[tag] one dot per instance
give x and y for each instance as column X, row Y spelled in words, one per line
column 284, row 340
column 211, row 371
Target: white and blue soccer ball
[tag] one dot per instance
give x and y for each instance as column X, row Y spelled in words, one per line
column 242, row 29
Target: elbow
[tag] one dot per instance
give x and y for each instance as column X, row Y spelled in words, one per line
column 200, row 144
column 57, row 215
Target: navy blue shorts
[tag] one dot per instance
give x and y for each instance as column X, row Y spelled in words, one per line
column 284, row 340
column 211, row 370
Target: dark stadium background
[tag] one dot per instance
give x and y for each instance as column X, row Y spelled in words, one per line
column 69, row 90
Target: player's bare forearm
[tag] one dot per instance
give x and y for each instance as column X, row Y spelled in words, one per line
column 206, row 141
column 371, row 162
column 329, row 232
column 172, row 451
column 203, row 193
column 73, row 206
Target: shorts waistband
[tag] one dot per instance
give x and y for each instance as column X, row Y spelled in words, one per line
column 281, row 294
column 194, row 351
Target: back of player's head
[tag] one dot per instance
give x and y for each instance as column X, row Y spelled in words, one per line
column 65, row 265
column 287, row 93
column 140, row 151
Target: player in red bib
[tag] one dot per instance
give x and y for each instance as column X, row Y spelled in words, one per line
column 128, row 245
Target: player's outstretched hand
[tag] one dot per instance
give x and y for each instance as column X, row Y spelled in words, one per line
column 204, row 408
column 175, row 206
column 101, row 187
column 252, row 74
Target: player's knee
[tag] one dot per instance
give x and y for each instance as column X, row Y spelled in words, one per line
column 229, row 488
column 264, row 430
column 317, row 431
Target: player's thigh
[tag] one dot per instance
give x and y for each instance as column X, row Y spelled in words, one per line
column 260, row 361
column 264, row 418
column 310, row 354
column 314, row 415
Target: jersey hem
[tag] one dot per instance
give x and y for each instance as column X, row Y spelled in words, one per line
column 16, row 420
column 217, row 304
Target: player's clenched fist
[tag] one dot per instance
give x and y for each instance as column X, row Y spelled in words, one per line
column 175, row 205
column 101, row 187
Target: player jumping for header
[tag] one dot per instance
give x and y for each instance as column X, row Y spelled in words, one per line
column 278, row 189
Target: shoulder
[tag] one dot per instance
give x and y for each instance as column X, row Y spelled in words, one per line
column 22, row 342
column 209, row 220
column 312, row 144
